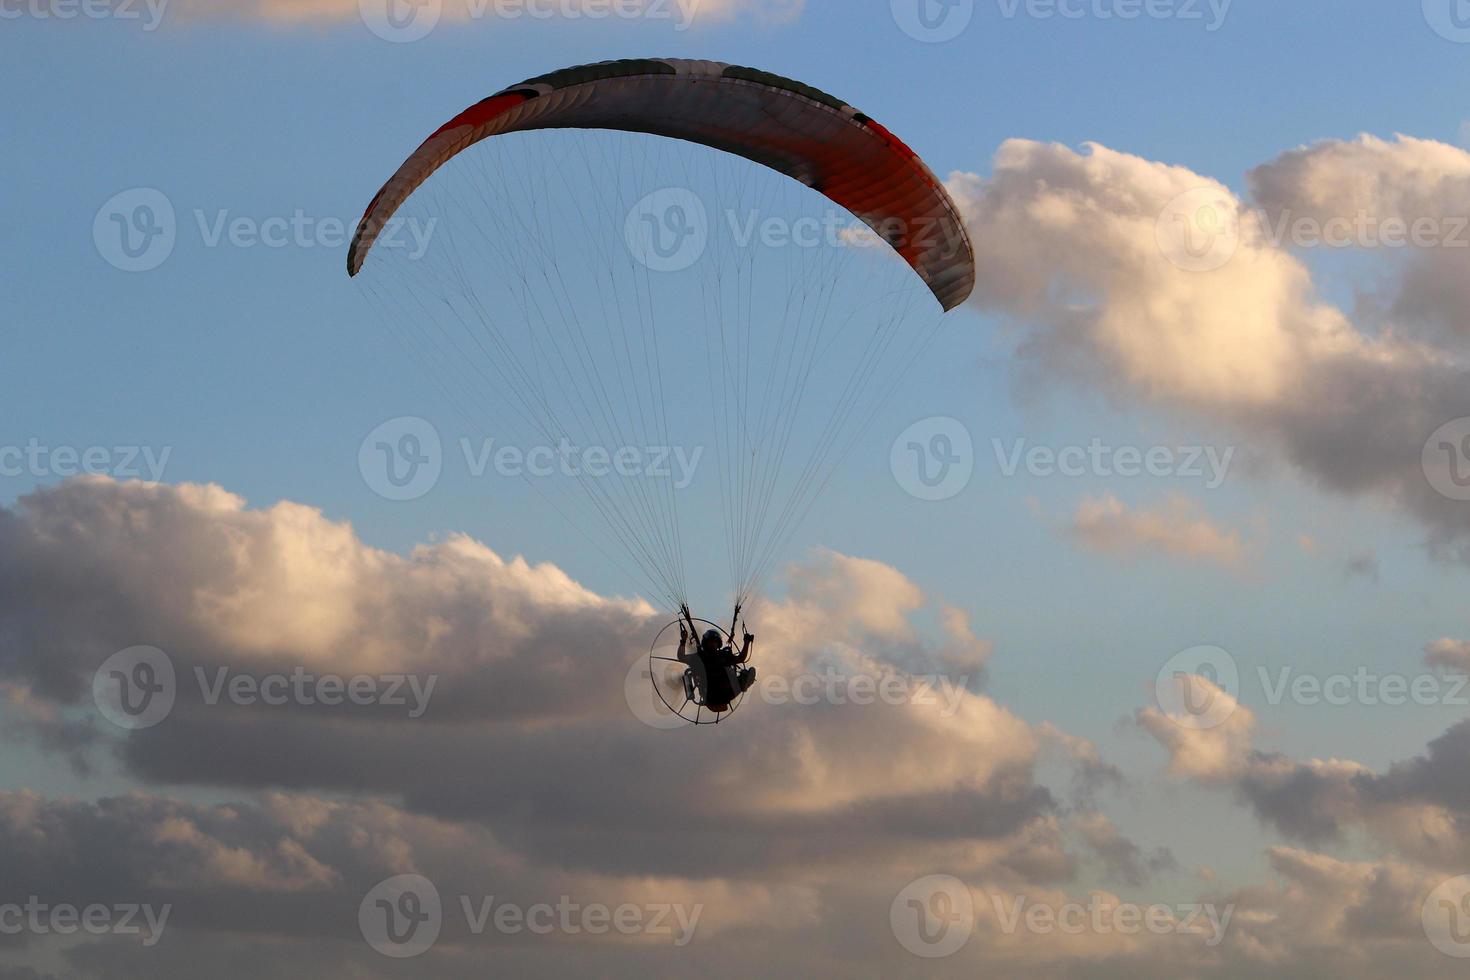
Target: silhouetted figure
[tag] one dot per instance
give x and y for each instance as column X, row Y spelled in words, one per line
column 717, row 669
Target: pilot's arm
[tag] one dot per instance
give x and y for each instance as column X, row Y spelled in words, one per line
column 745, row 648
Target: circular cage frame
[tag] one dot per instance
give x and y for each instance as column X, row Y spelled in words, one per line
column 692, row 710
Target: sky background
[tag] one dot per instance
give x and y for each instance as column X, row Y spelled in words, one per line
column 261, row 370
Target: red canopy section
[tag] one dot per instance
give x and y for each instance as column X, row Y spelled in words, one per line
column 773, row 121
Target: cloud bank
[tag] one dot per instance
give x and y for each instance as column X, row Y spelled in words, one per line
column 1158, row 286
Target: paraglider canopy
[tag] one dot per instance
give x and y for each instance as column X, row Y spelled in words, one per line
column 774, row 121
column 579, row 291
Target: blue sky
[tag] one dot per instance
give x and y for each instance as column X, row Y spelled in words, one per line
column 257, row 366
column 262, row 369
